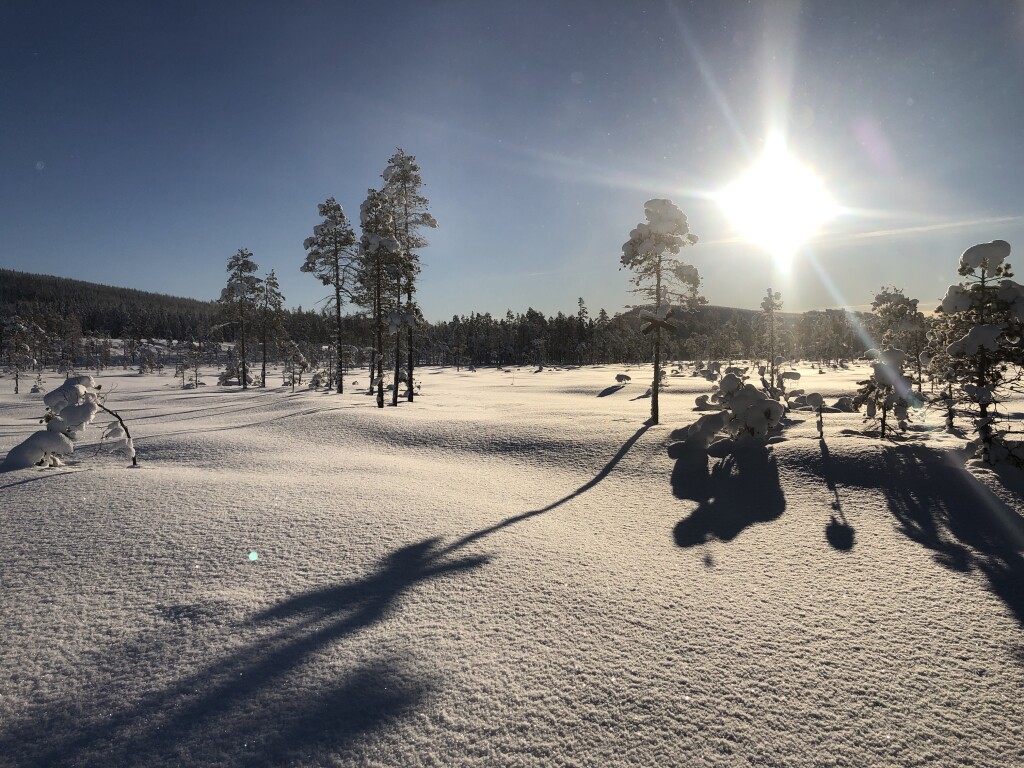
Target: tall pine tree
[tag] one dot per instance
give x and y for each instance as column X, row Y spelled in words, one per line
column 271, row 309
column 378, row 267
column 402, row 186
column 332, row 256
column 659, row 277
column 238, row 299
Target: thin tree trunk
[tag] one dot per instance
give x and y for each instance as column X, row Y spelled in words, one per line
column 408, row 295
column 398, row 342
column 657, row 346
column 657, row 376
column 263, row 370
column 380, row 337
column 337, row 320
column 123, row 426
column 241, row 341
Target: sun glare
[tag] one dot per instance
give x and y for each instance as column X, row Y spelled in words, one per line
column 778, row 204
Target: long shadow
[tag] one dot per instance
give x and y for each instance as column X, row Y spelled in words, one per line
column 240, row 710
column 601, row 475
column 43, row 475
column 610, row 390
column 937, row 503
column 233, row 711
column 740, row 490
column 838, row 532
column 940, row 505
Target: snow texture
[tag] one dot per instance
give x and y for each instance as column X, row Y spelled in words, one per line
column 519, row 575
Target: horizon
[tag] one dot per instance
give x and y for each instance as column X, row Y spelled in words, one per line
column 145, row 145
column 592, row 310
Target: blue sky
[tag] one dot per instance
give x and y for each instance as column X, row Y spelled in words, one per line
column 141, row 144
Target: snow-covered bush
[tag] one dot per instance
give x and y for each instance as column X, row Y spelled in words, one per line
column 888, row 393
column 975, row 345
column 69, row 410
column 747, row 413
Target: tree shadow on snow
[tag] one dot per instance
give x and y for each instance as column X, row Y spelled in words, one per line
column 610, row 390
column 272, row 700
column 937, row 503
column 738, row 491
column 838, row 532
column 601, row 475
column 940, row 505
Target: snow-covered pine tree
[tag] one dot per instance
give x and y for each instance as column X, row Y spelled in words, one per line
column 896, row 322
column 976, row 343
column 270, row 307
column 238, row 299
column 402, row 186
column 332, row 257
column 888, row 393
column 662, row 279
column 378, row 268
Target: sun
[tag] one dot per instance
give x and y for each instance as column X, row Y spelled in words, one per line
column 779, row 204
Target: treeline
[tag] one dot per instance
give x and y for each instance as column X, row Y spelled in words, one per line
column 74, row 315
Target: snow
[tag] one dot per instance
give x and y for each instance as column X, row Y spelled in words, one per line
column 991, row 255
column 41, row 446
column 504, row 574
column 957, row 299
column 979, row 337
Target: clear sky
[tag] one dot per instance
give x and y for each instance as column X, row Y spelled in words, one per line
column 141, row 144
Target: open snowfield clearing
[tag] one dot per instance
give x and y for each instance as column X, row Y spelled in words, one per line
column 514, row 570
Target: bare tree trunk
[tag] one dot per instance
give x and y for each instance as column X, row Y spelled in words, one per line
column 380, row 339
column 241, row 341
column 337, row 320
column 657, row 376
column 398, row 342
column 657, row 345
column 123, row 426
column 263, row 370
column 408, row 295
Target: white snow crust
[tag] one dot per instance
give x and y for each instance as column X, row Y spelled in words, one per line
column 514, row 570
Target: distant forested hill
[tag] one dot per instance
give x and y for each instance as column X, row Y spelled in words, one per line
column 102, row 309
column 72, row 309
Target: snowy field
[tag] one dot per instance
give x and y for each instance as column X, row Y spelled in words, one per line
column 514, row 570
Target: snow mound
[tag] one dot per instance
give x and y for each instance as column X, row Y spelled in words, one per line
column 987, row 255
column 41, row 448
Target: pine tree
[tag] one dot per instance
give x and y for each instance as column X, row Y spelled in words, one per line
column 238, row 299
column 402, row 185
column 16, row 350
column 896, row 322
column 770, row 304
column 976, row 342
column 378, row 266
column 270, row 308
column 659, row 277
column 333, row 256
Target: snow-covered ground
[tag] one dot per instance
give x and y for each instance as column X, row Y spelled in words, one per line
column 514, row 570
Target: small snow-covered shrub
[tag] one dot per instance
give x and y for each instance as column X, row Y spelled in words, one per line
column 69, row 410
column 747, row 412
column 888, row 393
column 622, row 378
